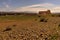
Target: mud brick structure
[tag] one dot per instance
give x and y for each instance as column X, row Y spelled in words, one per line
column 45, row 12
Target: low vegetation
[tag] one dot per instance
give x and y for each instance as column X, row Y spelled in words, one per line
column 29, row 27
column 43, row 20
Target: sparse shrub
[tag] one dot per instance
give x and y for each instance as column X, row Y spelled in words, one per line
column 39, row 16
column 7, row 29
column 41, row 35
column 46, row 38
column 14, row 25
column 1, row 38
column 53, row 15
column 43, row 20
column 58, row 15
column 59, row 25
column 54, row 37
column 35, row 19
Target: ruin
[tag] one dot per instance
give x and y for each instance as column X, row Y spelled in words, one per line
column 45, row 12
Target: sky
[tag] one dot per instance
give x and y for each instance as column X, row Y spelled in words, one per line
column 30, row 5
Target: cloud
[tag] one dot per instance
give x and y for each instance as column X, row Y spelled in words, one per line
column 5, row 4
column 40, row 7
column 36, row 5
column 6, row 7
column 35, row 8
column 55, row 9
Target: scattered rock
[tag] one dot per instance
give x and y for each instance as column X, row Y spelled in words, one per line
column 46, row 38
column 41, row 35
column 7, row 29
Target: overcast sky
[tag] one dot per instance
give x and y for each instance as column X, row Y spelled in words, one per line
column 30, row 5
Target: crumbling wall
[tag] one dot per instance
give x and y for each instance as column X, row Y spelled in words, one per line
column 45, row 12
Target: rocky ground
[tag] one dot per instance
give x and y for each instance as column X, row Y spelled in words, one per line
column 41, row 28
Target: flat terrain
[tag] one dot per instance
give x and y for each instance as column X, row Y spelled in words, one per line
column 30, row 27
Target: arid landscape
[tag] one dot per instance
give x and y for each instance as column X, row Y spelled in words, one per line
column 30, row 27
column 29, row 19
